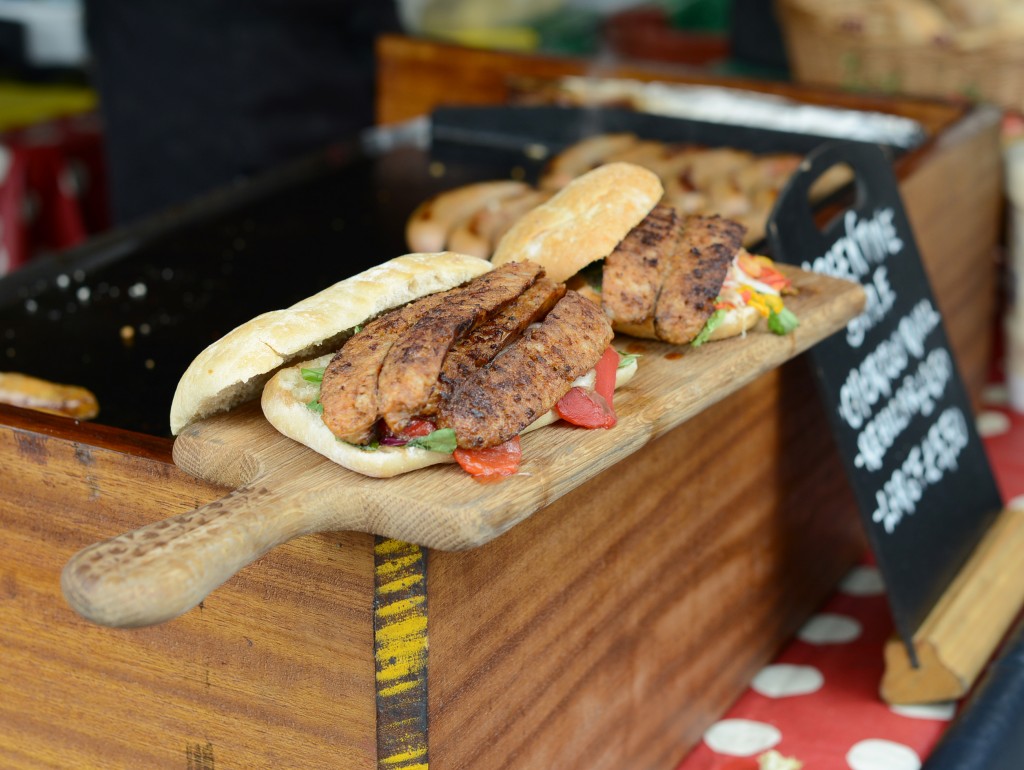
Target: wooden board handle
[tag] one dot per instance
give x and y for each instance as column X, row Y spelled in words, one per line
column 159, row 571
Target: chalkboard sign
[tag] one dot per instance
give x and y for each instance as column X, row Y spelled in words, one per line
column 898, row 408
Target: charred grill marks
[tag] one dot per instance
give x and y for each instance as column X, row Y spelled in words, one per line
column 527, row 378
column 413, row 364
column 695, row 276
column 488, row 339
column 633, row 272
column 348, row 392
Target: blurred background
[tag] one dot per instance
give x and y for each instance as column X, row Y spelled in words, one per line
column 98, row 98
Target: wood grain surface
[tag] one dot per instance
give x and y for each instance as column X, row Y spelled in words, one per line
column 276, row 670
column 286, row 490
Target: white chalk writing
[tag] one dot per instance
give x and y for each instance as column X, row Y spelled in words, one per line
column 867, row 242
column 916, row 395
column 925, row 465
column 873, row 378
column 880, row 300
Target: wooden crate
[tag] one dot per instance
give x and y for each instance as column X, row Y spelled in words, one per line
column 606, row 631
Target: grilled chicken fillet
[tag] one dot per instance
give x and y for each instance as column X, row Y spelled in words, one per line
column 413, row 364
column 488, row 339
column 348, row 392
column 633, row 272
column 695, row 276
column 529, row 377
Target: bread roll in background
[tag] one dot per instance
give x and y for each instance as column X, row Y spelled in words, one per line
column 28, row 392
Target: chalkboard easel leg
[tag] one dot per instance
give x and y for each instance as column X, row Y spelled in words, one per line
column 966, row 625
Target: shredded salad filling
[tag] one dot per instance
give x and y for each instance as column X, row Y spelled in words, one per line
column 752, row 281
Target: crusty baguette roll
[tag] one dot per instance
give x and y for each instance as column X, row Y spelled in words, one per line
column 235, row 368
column 584, row 221
column 285, row 400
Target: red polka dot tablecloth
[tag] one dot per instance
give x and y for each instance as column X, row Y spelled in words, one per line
column 818, row 703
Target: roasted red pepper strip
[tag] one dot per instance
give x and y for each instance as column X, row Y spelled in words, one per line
column 606, row 370
column 593, row 409
column 495, row 461
column 774, row 279
column 417, row 428
column 586, row 408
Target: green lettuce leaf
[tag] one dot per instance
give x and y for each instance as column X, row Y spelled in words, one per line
column 782, row 322
column 625, row 359
column 713, row 323
column 313, row 375
column 442, row 441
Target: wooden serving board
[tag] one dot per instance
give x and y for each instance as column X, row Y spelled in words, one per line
column 284, row 490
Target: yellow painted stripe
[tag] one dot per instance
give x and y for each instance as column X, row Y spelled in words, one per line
column 400, row 607
column 400, row 584
column 406, row 756
column 396, row 564
column 389, row 547
column 397, row 689
column 400, row 653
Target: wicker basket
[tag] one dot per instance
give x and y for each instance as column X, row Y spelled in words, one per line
column 877, row 51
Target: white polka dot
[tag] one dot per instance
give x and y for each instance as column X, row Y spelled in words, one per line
column 783, row 680
column 992, row 424
column 1016, row 503
column 829, row 629
column 876, row 754
column 996, row 395
column 863, row 581
column 941, row 711
column 741, row 737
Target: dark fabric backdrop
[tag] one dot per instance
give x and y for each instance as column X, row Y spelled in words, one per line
column 196, row 93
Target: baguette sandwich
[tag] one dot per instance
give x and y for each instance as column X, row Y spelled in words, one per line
column 425, row 359
column 656, row 273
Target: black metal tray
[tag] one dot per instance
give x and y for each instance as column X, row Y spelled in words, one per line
column 126, row 313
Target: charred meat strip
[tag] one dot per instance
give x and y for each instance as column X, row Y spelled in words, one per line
column 633, row 272
column 348, row 392
column 488, row 339
column 695, row 276
column 413, row 364
column 529, row 376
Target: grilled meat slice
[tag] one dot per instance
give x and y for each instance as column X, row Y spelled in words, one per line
column 529, row 376
column 633, row 272
column 695, row 276
column 348, row 392
column 413, row 364
column 488, row 339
